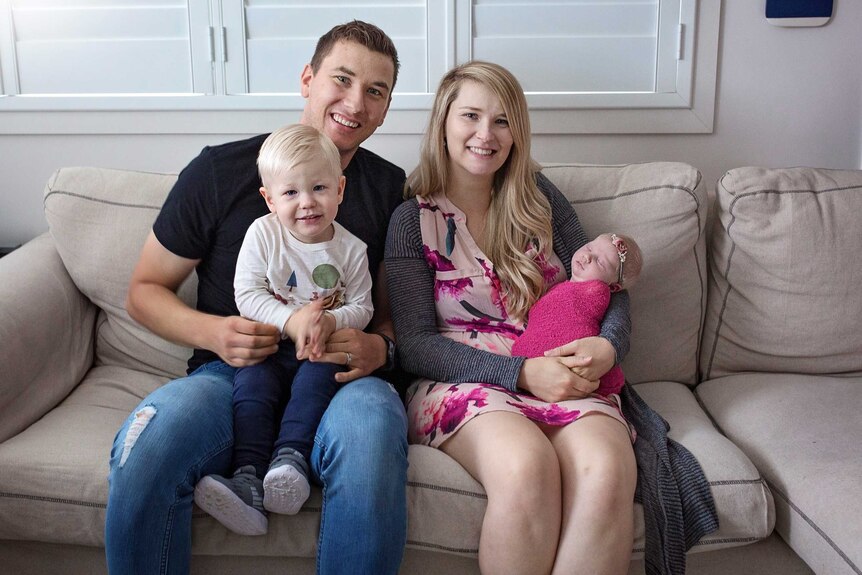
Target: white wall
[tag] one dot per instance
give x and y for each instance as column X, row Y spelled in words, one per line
column 785, row 97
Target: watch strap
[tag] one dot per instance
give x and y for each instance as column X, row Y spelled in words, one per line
column 390, row 352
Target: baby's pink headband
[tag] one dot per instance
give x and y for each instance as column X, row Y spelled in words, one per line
column 622, row 250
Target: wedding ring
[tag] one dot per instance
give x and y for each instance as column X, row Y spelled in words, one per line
column 349, row 358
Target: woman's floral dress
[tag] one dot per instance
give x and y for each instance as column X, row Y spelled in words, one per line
column 471, row 309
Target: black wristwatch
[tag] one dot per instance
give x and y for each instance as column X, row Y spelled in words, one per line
column 390, row 352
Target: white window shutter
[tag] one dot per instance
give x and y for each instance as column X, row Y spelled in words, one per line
column 270, row 42
column 587, row 66
column 100, row 47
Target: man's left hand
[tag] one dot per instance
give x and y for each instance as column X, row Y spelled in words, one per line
column 367, row 353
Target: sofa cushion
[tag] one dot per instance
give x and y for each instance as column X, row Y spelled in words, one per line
column 99, row 219
column 40, row 369
column 744, row 504
column 803, row 433
column 663, row 206
column 54, row 484
column 439, row 489
column 784, row 285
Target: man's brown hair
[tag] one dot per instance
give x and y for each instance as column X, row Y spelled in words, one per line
column 362, row 33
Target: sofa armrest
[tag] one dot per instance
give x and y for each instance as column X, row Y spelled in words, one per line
column 47, row 327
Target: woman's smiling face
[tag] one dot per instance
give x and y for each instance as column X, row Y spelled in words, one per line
column 478, row 137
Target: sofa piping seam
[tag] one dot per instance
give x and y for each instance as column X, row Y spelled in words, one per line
column 53, row 500
column 724, row 482
column 702, row 542
column 441, row 547
column 446, row 489
column 96, row 200
column 638, row 191
column 816, row 528
column 720, row 483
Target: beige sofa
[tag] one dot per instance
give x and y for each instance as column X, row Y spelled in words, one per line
column 750, row 345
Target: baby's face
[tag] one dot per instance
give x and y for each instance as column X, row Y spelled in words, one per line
column 597, row 260
column 306, row 199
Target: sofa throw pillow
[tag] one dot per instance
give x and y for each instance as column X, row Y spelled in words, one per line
column 99, row 219
column 663, row 206
column 784, row 293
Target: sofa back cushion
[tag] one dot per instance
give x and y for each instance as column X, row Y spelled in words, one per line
column 99, row 219
column 662, row 205
column 784, row 291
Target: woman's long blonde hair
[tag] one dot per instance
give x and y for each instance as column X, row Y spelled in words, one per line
column 519, row 215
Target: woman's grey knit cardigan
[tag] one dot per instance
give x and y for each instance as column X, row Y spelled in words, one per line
column 677, row 502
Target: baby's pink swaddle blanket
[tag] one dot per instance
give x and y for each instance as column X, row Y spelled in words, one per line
column 569, row 311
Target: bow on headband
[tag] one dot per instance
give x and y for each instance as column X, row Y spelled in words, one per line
column 622, row 250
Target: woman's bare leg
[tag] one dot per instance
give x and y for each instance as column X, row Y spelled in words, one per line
column 517, row 465
column 598, row 477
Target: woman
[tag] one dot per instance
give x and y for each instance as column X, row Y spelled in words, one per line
column 483, row 237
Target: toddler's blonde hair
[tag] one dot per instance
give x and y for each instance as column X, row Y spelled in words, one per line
column 292, row 145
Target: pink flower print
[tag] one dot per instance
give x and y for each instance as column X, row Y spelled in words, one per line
column 450, row 412
column 497, row 296
column 436, row 260
column 549, row 271
column 552, row 414
column 434, row 208
column 513, row 394
column 453, row 288
column 484, row 325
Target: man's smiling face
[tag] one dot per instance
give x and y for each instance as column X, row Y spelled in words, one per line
column 348, row 97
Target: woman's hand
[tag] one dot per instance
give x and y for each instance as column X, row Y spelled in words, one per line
column 551, row 380
column 366, row 351
column 589, row 357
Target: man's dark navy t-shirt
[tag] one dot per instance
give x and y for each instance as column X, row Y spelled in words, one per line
column 217, row 197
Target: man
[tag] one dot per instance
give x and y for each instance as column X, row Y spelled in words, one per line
column 183, row 430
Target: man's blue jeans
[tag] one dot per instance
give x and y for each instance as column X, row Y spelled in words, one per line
column 184, row 430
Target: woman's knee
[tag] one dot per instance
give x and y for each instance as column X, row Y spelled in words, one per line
column 525, row 481
column 526, row 467
column 605, row 475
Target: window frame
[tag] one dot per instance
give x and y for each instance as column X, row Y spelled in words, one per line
column 691, row 110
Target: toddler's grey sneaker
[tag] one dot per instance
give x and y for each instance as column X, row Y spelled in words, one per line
column 285, row 487
column 237, row 503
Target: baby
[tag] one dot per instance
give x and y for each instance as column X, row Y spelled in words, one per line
column 296, row 263
column 574, row 309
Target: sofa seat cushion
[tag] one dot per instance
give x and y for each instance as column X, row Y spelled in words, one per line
column 54, row 482
column 54, row 486
column 743, row 502
column 439, row 489
column 803, row 433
